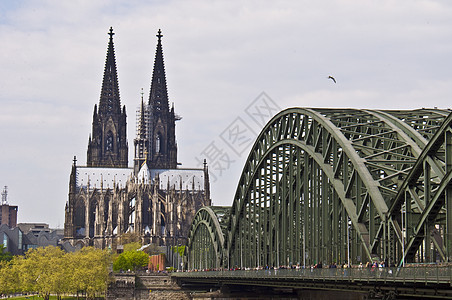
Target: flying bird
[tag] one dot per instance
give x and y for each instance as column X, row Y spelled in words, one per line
column 332, row 78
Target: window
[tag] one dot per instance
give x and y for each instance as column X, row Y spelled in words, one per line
column 162, row 224
column 109, row 142
column 19, row 246
column 157, row 144
column 5, row 240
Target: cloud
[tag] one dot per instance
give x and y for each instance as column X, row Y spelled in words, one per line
column 219, row 57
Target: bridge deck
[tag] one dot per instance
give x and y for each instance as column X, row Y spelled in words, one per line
column 425, row 281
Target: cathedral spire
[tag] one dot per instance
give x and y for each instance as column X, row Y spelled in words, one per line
column 141, row 142
column 110, row 101
column 158, row 96
column 162, row 132
column 107, row 146
column 158, row 143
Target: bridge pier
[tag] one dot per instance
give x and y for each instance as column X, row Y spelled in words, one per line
column 159, row 286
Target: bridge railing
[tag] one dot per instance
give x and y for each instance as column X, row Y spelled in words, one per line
column 427, row 275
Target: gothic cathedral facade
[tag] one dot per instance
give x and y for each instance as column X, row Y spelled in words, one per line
column 154, row 200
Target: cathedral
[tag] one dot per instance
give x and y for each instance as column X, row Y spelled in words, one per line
column 154, row 200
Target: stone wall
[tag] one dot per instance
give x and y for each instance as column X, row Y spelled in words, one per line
column 122, row 287
column 144, row 287
column 158, row 286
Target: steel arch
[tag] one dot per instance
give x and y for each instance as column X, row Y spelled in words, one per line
column 351, row 150
column 206, row 238
column 329, row 185
column 427, row 194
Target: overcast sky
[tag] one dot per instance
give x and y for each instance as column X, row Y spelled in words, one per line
column 220, row 56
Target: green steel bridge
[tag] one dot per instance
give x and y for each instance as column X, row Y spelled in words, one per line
column 335, row 186
column 427, row 281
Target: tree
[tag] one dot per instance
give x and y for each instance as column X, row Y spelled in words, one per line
column 89, row 271
column 9, row 277
column 51, row 271
column 120, row 263
column 42, row 270
column 132, row 246
column 130, row 260
column 4, row 256
column 179, row 250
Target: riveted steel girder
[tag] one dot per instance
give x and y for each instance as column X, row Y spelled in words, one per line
column 428, row 185
column 341, row 144
column 206, row 238
column 335, row 185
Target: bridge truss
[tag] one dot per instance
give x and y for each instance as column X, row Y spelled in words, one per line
column 337, row 185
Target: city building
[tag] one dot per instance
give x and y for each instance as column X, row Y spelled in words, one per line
column 154, row 199
column 18, row 241
column 37, row 228
column 14, row 240
column 8, row 213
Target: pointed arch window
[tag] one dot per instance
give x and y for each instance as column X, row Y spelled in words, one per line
column 109, row 142
column 157, row 143
column 162, row 224
column 79, row 218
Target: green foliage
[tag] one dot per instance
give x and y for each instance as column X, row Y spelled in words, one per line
column 52, row 271
column 120, row 263
column 132, row 246
column 130, row 260
column 90, row 271
column 41, row 271
column 9, row 277
column 4, row 256
column 180, row 250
